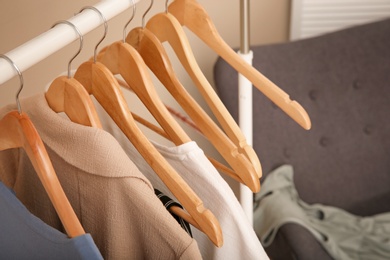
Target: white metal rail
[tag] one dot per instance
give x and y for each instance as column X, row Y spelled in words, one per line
column 44, row 45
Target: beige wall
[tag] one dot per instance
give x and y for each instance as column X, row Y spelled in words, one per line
column 22, row 20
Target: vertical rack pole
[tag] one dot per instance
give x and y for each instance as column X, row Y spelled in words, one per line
column 245, row 101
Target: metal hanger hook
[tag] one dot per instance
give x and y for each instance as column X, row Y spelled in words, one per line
column 105, row 28
column 131, row 18
column 20, row 78
column 80, row 37
column 166, row 6
column 147, row 11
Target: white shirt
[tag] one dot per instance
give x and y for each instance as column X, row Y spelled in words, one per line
column 240, row 240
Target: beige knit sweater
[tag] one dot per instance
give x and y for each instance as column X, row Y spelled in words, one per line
column 113, row 200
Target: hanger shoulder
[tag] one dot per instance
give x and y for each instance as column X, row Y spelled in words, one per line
column 111, row 61
column 10, row 132
column 69, row 96
column 167, row 29
column 135, row 72
column 267, row 87
column 154, row 56
column 192, row 15
column 152, row 52
column 100, row 83
column 17, row 130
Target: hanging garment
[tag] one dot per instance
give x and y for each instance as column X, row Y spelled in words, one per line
column 24, row 236
column 240, row 240
column 115, row 203
column 343, row 235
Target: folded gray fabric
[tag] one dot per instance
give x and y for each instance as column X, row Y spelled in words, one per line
column 343, row 235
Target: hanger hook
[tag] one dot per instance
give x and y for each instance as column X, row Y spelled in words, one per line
column 105, row 28
column 147, row 11
column 20, row 78
column 80, row 37
column 166, row 6
column 131, row 18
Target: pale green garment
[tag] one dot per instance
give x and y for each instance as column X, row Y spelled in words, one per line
column 343, row 235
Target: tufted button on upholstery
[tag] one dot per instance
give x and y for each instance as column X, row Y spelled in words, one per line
column 324, row 142
column 368, row 129
column 357, row 84
column 286, row 152
column 313, row 94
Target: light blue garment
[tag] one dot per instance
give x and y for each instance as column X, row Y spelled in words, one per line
column 24, row 236
column 343, row 235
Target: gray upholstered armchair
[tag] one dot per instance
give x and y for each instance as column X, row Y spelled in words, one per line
column 342, row 79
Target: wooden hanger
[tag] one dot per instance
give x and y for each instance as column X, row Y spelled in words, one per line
column 167, row 28
column 99, row 81
column 17, row 131
column 154, row 55
column 222, row 168
column 231, row 153
column 156, row 58
column 66, row 94
column 192, row 15
column 134, row 71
